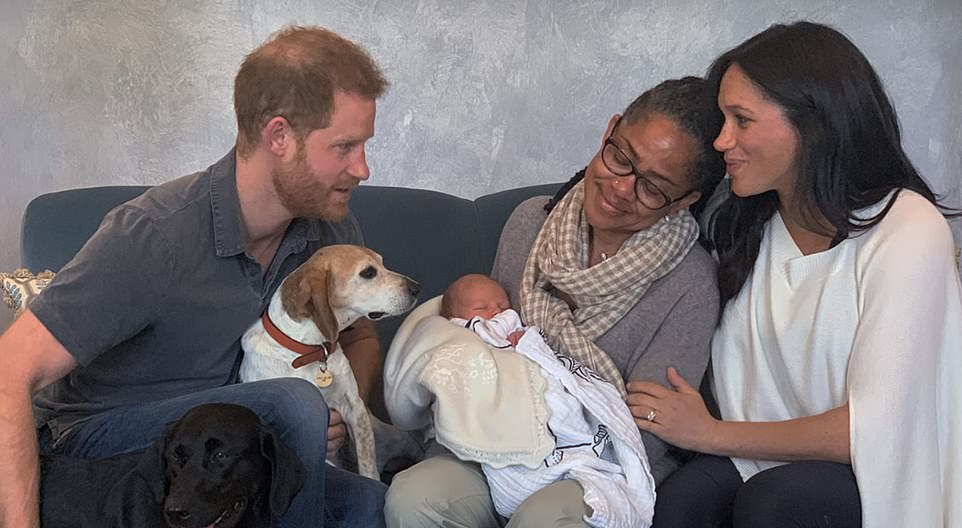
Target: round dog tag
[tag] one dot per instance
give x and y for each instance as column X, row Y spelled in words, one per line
column 324, row 379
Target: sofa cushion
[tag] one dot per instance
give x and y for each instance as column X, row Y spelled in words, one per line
column 21, row 286
column 494, row 210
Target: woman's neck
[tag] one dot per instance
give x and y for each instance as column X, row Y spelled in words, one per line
column 807, row 240
column 603, row 245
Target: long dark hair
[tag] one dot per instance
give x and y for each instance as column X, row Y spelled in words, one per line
column 850, row 146
column 690, row 103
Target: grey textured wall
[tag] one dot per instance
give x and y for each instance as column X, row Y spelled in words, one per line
column 485, row 95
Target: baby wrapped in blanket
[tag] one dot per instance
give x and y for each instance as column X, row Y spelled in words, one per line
column 491, row 391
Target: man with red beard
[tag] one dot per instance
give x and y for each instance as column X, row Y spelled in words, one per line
column 145, row 322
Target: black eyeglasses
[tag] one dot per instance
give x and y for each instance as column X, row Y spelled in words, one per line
column 616, row 161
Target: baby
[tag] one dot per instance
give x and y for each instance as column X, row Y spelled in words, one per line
column 586, row 415
column 478, row 303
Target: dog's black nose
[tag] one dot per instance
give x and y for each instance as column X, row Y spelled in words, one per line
column 414, row 288
column 176, row 515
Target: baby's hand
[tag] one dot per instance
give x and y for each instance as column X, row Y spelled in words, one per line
column 514, row 337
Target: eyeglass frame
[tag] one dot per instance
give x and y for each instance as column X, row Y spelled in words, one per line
column 639, row 178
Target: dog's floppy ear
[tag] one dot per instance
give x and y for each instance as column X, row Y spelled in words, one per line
column 305, row 294
column 287, row 471
column 296, row 295
column 321, row 286
column 158, row 487
column 161, row 444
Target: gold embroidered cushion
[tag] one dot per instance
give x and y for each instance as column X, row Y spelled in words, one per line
column 21, row 286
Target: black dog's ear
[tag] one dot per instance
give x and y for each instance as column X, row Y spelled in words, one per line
column 161, row 446
column 287, row 471
column 160, row 455
column 154, row 463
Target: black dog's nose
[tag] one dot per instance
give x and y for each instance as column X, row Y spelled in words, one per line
column 414, row 288
column 176, row 515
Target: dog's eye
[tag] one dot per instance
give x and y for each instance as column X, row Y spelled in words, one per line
column 369, row 272
column 219, row 458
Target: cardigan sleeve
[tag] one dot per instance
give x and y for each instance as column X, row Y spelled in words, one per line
column 681, row 340
column 517, row 237
column 683, row 335
column 902, row 380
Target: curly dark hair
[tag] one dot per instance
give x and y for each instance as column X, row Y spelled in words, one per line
column 691, row 103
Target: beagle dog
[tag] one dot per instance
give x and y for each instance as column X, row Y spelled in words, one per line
column 335, row 287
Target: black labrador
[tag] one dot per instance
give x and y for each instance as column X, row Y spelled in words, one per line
column 216, row 467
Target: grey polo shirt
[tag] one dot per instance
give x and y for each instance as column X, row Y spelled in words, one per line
column 154, row 305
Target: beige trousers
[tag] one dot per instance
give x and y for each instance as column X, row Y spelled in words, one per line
column 445, row 492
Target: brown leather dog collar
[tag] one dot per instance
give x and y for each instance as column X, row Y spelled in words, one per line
column 291, row 344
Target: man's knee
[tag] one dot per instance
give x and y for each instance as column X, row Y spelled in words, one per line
column 296, row 411
column 353, row 501
column 295, row 394
column 371, row 499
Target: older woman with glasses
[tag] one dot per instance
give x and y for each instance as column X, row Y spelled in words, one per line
column 610, row 270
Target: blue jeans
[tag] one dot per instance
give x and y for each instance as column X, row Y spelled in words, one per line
column 296, row 411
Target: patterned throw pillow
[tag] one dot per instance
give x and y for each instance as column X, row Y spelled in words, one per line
column 21, row 286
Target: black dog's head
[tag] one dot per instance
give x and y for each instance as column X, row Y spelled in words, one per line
column 223, row 468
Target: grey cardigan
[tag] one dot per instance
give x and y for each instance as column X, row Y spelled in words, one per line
column 671, row 326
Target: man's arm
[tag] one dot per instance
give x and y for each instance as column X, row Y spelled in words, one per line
column 32, row 359
column 363, row 351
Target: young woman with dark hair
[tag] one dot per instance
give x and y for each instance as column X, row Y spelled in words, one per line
column 835, row 360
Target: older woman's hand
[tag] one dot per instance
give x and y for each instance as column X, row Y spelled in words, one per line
column 678, row 415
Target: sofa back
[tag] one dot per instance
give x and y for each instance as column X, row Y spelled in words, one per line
column 432, row 237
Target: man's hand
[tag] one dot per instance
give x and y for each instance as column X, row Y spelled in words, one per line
column 336, row 434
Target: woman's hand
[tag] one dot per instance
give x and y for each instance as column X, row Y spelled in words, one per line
column 678, row 415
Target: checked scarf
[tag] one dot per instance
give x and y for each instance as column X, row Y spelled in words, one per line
column 602, row 293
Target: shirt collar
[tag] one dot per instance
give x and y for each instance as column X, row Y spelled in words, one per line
column 226, row 212
column 225, row 207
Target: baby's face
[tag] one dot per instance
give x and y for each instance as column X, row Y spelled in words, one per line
column 484, row 298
